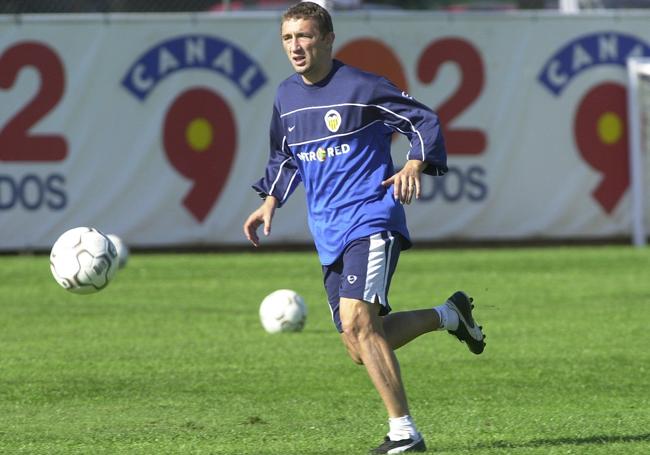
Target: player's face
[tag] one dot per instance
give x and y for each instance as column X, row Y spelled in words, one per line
column 309, row 51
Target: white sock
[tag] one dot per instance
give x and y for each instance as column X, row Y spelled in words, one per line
column 448, row 317
column 402, row 428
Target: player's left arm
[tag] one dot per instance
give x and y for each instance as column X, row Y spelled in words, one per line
column 407, row 182
column 427, row 153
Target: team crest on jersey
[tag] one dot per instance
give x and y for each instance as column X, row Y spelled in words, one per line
column 333, row 120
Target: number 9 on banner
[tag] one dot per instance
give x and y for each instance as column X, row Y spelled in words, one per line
column 600, row 127
column 200, row 141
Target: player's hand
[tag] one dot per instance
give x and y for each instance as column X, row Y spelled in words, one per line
column 263, row 215
column 406, row 183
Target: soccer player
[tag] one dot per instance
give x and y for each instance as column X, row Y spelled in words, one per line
column 331, row 130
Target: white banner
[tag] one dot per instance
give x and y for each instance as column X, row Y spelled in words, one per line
column 153, row 128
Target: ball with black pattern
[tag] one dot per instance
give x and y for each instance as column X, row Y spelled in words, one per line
column 83, row 260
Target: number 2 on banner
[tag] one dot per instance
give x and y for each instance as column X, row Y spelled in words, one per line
column 460, row 141
column 372, row 55
column 16, row 141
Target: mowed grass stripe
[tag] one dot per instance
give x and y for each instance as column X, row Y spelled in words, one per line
column 171, row 358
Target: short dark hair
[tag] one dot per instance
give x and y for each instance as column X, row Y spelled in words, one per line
column 310, row 10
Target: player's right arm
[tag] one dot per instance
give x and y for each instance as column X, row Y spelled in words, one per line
column 281, row 178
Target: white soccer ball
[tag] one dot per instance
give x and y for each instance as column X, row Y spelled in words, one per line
column 83, row 260
column 283, row 311
column 122, row 249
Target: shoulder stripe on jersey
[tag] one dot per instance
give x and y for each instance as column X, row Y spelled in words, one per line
column 412, row 128
column 278, row 176
column 280, row 169
column 405, row 133
column 286, row 193
column 360, row 105
column 321, row 107
column 334, row 135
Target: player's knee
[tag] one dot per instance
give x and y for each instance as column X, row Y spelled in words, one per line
column 356, row 322
column 356, row 358
column 353, row 336
column 352, row 348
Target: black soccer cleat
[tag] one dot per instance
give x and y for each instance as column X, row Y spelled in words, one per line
column 401, row 446
column 468, row 331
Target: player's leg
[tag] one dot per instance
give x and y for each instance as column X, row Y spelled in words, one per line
column 362, row 272
column 455, row 316
column 363, row 335
column 364, row 275
column 404, row 326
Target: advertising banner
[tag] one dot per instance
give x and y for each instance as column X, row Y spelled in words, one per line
column 154, row 127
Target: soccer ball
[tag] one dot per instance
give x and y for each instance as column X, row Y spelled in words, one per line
column 122, row 249
column 283, row 311
column 83, row 260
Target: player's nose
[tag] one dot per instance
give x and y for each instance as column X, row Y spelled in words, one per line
column 294, row 45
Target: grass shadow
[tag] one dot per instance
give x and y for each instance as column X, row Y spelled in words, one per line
column 590, row 440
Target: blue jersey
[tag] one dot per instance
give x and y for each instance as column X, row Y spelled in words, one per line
column 335, row 137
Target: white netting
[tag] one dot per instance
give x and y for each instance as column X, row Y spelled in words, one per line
column 644, row 105
column 639, row 130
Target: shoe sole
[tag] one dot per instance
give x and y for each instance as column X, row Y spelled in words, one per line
column 418, row 446
column 415, row 446
column 468, row 330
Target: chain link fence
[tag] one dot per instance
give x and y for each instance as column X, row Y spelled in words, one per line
column 115, row 6
column 103, row 6
column 143, row 6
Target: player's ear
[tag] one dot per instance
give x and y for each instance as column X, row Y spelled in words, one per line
column 329, row 38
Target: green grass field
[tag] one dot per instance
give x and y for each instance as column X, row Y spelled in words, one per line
column 171, row 359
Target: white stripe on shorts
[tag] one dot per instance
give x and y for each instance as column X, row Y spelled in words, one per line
column 378, row 267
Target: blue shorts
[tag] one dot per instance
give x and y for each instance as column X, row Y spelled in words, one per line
column 363, row 272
